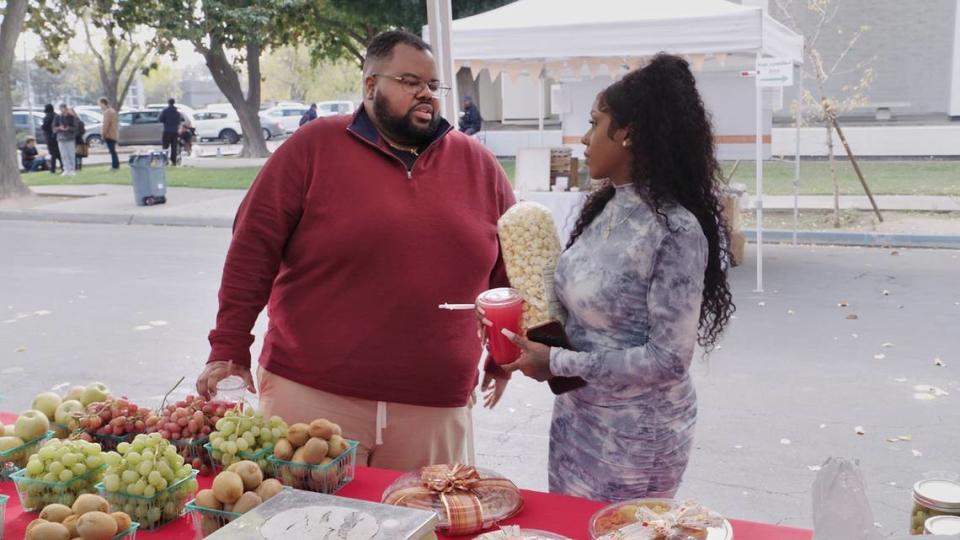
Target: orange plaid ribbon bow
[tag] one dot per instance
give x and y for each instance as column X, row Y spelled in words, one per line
column 456, row 486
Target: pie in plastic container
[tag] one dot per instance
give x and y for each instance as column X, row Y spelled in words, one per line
column 612, row 522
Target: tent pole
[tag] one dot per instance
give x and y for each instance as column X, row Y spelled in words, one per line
column 540, row 106
column 439, row 20
column 759, row 168
column 796, row 163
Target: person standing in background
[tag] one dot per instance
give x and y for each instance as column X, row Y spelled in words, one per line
column 110, row 132
column 80, row 146
column 65, row 126
column 171, row 119
column 50, row 137
column 310, row 114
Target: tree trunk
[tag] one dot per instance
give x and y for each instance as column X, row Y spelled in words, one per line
column 833, row 175
column 248, row 109
column 11, row 185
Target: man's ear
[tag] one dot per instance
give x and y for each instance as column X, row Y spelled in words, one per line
column 369, row 86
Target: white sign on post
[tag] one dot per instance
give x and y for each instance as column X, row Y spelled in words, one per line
column 775, row 72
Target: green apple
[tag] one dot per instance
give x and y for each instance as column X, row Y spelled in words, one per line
column 75, row 393
column 67, row 413
column 31, row 425
column 9, row 443
column 94, row 393
column 47, row 403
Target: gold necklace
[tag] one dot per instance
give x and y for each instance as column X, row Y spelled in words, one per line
column 402, row 149
column 610, row 224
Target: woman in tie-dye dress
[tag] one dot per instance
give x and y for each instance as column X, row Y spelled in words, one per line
column 643, row 280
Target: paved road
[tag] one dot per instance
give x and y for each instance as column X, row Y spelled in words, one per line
column 131, row 305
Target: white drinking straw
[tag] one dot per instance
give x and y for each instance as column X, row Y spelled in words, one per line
column 453, row 307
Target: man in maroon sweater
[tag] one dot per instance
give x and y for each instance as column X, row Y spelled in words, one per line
column 351, row 235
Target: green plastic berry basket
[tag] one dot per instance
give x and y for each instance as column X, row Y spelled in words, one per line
column 109, row 443
column 195, row 449
column 14, row 459
column 207, row 520
column 156, row 511
column 260, row 457
column 3, row 509
column 36, row 493
column 129, row 534
column 327, row 478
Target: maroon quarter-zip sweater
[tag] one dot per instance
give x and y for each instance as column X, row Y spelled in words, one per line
column 352, row 252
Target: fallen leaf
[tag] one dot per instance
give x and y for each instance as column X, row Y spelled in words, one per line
column 790, row 312
column 814, row 468
column 142, row 327
column 852, row 316
column 158, row 323
column 761, row 304
column 854, row 336
column 924, row 397
column 886, row 292
column 917, row 453
column 784, row 441
column 21, row 349
column 822, row 426
column 880, row 356
column 859, row 430
column 887, row 345
column 900, row 379
column 933, row 390
column 894, row 253
column 843, row 304
column 905, row 437
column 738, row 446
column 938, row 362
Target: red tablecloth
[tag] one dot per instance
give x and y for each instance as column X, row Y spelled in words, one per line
column 556, row 513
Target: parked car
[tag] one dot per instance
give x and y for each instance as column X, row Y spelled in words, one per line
column 136, row 128
column 21, row 124
column 334, row 108
column 288, row 116
column 218, row 124
column 162, row 106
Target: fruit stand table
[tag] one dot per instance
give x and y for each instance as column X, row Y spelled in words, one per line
column 556, row 513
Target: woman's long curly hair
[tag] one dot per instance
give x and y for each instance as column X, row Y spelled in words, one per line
column 673, row 161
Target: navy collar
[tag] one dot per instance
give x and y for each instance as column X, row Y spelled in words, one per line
column 363, row 126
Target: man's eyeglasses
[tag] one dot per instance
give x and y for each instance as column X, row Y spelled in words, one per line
column 414, row 85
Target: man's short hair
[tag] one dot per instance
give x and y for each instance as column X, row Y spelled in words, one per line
column 104, row 101
column 29, row 139
column 382, row 45
column 171, row 101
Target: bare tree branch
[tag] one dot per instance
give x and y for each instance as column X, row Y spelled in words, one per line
column 853, row 41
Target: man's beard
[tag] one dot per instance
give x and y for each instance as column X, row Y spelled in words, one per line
column 401, row 129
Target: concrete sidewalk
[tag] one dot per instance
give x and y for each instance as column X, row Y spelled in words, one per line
column 193, row 207
column 104, row 203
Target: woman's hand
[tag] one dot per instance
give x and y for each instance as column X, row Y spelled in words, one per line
column 492, row 388
column 534, row 359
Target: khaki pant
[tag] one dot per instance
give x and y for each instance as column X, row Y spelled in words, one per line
column 391, row 435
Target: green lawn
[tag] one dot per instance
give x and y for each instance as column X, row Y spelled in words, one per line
column 226, row 178
column 883, row 177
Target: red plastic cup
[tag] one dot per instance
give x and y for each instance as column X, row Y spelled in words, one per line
column 504, row 308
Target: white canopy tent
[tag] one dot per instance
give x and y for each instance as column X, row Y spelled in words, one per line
column 544, row 35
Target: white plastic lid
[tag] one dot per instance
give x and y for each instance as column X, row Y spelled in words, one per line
column 945, row 525
column 502, row 296
column 938, row 494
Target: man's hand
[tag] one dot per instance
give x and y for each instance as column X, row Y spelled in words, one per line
column 219, row 370
column 534, row 359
